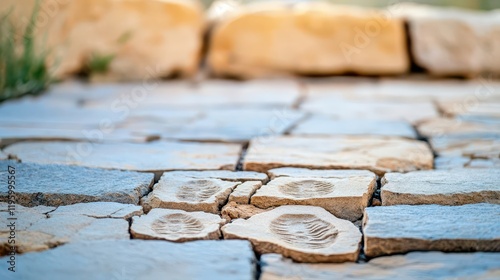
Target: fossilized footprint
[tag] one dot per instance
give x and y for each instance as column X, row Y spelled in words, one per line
column 304, row 231
column 197, row 190
column 306, row 188
column 177, row 225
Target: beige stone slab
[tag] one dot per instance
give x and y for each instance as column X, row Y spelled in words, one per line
column 176, row 225
column 189, row 194
column 225, row 175
column 445, row 187
column 244, row 191
column 402, row 228
column 41, row 228
column 474, row 147
column 155, row 156
column 323, row 125
column 345, row 197
column 233, row 210
column 457, row 127
column 303, row 233
column 254, row 41
column 417, row 265
column 377, row 154
column 317, row 173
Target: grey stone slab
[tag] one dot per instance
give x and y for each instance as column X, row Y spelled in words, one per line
column 323, row 125
column 307, row 173
column 457, row 127
column 155, row 156
column 417, row 265
column 139, row 259
column 377, row 154
column 473, row 147
column 479, row 108
column 404, row 228
column 445, row 187
column 450, row 162
column 41, row 228
column 493, row 163
column 55, row 185
column 218, row 174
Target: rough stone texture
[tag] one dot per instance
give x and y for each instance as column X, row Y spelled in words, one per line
column 323, row 125
column 176, row 225
column 140, row 259
column 244, row 191
column 474, row 147
column 445, row 187
column 254, row 40
column 456, row 128
column 189, row 194
column 40, row 229
column 417, row 265
column 233, row 210
column 450, row 41
column 377, row 154
column 55, row 185
column 225, row 175
column 303, row 233
column 156, row 156
column 345, row 196
column 450, row 162
column 401, row 228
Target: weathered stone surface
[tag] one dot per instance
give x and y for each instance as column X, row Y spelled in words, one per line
column 189, row 194
column 417, row 265
column 55, row 185
column 323, row 125
column 449, row 41
column 233, row 210
column 316, row 173
column 399, row 229
column 345, row 196
column 330, row 105
column 377, row 154
column 41, row 228
column 156, row 156
column 450, row 162
column 474, row 147
column 176, row 225
column 456, row 128
column 225, row 175
column 239, row 46
column 472, row 108
column 140, row 259
column 445, row 187
column 303, row 233
column 244, row 191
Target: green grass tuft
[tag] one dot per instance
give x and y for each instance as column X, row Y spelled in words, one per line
column 99, row 63
column 22, row 67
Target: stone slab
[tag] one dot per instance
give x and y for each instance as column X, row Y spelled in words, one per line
column 41, row 228
column 493, row 163
column 189, row 194
column 444, row 187
column 471, row 108
column 450, row 162
column 345, row 197
column 323, row 125
column 303, row 233
column 473, row 147
column 377, row 154
column 233, row 210
column 401, row 228
column 225, row 175
column 176, row 225
column 456, row 128
column 417, row 265
column 242, row 193
column 139, row 259
column 55, row 185
column 155, row 156
column 315, row 173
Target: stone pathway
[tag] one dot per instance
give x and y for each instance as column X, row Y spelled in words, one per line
column 315, row 178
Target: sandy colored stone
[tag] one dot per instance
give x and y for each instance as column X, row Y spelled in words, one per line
column 233, row 210
column 474, row 147
column 225, row 175
column 377, row 154
column 136, row 259
column 176, row 225
column 345, row 196
column 417, row 265
column 452, row 41
column 303, row 233
column 56, row 185
column 445, row 187
column 41, row 228
column 404, row 228
column 189, row 194
column 244, row 191
column 323, row 125
column 156, row 156
column 457, row 127
column 263, row 39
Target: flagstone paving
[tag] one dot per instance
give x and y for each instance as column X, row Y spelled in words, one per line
column 244, row 191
